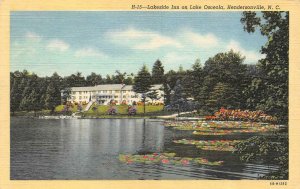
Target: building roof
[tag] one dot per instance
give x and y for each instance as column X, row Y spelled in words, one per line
column 157, row 87
column 127, row 87
column 112, row 87
column 99, row 87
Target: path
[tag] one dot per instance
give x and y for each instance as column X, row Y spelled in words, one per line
column 175, row 115
column 88, row 106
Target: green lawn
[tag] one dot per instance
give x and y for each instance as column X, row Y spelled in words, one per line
column 122, row 109
column 101, row 111
column 59, row 108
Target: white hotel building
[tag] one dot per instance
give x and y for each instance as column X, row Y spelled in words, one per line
column 103, row 94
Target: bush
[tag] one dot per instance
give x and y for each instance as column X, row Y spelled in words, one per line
column 271, row 149
column 241, row 115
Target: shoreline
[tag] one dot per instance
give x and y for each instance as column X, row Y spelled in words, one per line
column 81, row 115
column 91, row 117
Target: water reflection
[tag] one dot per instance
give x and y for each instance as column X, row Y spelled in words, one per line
column 89, row 149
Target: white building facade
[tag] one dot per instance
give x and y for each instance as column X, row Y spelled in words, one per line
column 120, row 93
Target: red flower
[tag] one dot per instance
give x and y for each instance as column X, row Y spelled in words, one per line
column 185, row 162
column 165, row 161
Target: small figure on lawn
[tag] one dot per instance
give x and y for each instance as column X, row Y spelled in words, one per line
column 112, row 108
column 132, row 109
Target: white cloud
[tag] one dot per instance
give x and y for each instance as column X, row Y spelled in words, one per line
column 58, row 45
column 177, row 58
column 251, row 56
column 33, row 37
column 181, row 45
column 142, row 40
column 89, row 52
column 208, row 40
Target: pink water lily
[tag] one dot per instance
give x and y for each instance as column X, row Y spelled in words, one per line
column 185, row 162
column 165, row 161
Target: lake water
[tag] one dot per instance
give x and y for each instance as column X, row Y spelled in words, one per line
column 89, row 149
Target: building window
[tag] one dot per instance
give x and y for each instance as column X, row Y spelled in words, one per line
column 80, row 93
column 110, row 92
column 80, row 97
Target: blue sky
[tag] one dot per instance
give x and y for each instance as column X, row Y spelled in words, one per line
column 104, row 41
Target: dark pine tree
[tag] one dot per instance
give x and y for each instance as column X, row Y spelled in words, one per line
column 158, row 73
column 142, row 83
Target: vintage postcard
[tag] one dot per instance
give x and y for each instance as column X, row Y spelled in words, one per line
column 168, row 94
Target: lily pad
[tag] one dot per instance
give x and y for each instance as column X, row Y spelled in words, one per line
column 164, row 158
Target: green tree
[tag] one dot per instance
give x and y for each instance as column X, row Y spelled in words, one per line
column 158, row 73
column 192, row 81
column 15, row 91
column 108, row 79
column 274, row 67
column 153, row 95
column 269, row 90
column 34, row 101
column 66, row 94
column 197, row 80
column 170, row 81
column 74, row 80
column 94, row 79
column 228, row 69
column 52, row 98
column 27, row 96
column 53, row 92
column 222, row 95
column 142, row 83
column 177, row 95
column 129, row 79
column 41, row 88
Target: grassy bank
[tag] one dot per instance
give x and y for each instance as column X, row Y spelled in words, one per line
column 100, row 111
column 31, row 113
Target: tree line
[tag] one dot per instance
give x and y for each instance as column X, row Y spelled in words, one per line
column 224, row 80
column 30, row 92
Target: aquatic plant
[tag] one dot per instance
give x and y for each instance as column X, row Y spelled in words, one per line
column 165, row 158
column 214, row 145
